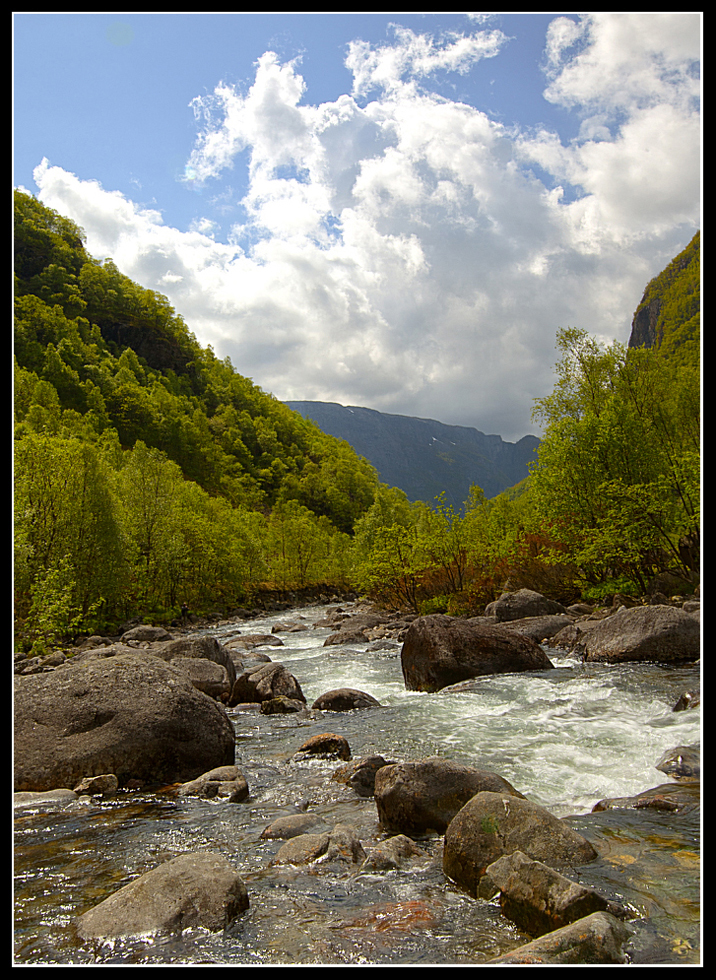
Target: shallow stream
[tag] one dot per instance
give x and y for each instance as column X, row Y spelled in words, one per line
column 565, row 738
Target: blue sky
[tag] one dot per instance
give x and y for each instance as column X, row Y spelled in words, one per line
column 394, row 211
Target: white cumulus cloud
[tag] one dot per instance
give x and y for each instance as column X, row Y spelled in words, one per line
column 410, row 254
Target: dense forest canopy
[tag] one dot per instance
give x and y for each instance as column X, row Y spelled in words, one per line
column 149, row 472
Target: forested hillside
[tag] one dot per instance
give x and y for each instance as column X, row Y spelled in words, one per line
column 148, row 471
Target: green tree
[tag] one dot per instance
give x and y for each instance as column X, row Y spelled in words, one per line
column 68, row 531
column 617, row 477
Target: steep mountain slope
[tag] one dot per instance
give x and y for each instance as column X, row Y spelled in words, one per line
column 95, row 353
column 668, row 316
column 424, row 457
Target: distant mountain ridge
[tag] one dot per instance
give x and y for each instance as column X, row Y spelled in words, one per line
column 424, row 457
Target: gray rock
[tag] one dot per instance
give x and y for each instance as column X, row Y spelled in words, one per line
column 681, row 797
column 98, row 785
column 199, row 648
column 687, row 701
column 47, row 798
column 539, row 899
column 131, row 714
column 344, row 699
column 303, row 849
column 282, row 705
column 247, row 641
column 522, row 603
column 360, row 774
column 224, row 782
column 395, row 852
column 597, row 938
column 327, row 745
column 416, row 797
column 206, row 676
column 658, row 634
column 293, row 825
column 492, row 824
column 190, row 890
column 682, row 762
column 262, row 682
column 540, row 628
column 442, row 650
column 146, row 633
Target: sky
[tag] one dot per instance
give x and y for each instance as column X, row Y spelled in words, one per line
column 395, row 211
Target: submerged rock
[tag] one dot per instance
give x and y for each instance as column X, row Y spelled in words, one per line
column 190, row 890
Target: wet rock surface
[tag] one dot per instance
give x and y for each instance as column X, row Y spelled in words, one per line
column 190, row 890
column 442, row 650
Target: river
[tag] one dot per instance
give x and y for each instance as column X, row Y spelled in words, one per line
column 565, row 738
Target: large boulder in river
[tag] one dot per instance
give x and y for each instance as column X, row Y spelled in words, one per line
column 492, row 824
column 265, row 681
column 192, row 890
column 415, row 797
column 146, row 634
column 344, row 699
column 131, row 714
column 659, row 634
column 524, row 602
column 442, row 650
column 198, row 648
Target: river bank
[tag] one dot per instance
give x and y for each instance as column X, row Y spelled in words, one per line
column 566, row 738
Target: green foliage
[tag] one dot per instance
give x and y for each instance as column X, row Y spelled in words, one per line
column 69, row 531
column 676, row 293
column 190, row 458
column 617, row 477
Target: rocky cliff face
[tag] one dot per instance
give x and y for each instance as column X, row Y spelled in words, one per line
column 424, row 457
column 669, row 313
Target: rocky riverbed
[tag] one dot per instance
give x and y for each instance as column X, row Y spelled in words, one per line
column 283, row 789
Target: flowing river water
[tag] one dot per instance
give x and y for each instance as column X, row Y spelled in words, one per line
column 565, row 738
